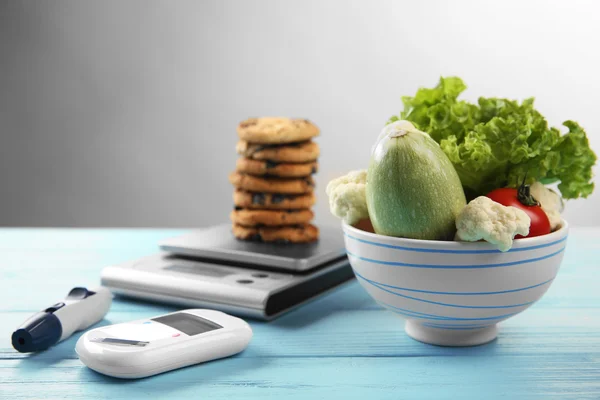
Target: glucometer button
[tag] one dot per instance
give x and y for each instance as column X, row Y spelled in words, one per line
column 244, row 281
column 79, row 293
column 54, row 307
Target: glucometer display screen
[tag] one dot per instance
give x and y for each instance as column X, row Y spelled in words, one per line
column 187, row 323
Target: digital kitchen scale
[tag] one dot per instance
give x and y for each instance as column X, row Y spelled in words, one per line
column 219, row 243
column 210, row 268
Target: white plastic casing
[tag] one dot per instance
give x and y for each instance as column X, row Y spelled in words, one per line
column 79, row 314
column 167, row 348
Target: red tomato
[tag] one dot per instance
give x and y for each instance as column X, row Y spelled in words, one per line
column 365, row 225
column 540, row 224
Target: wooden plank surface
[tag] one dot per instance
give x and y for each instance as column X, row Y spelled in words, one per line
column 340, row 346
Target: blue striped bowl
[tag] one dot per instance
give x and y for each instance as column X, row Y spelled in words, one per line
column 453, row 293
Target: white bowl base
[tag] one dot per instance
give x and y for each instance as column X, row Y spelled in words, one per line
column 450, row 337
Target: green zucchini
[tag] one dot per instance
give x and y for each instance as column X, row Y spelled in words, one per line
column 413, row 190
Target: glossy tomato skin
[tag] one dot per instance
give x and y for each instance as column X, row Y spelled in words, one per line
column 540, row 224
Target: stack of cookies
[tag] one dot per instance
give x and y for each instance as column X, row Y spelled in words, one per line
column 273, row 180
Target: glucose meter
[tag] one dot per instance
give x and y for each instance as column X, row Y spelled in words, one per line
column 151, row 346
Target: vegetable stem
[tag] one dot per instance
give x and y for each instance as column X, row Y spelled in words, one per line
column 524, row 194
column 399, row 133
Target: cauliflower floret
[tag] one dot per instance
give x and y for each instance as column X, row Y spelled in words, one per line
column 485, row 219
column 348, row 198
column 550, row 202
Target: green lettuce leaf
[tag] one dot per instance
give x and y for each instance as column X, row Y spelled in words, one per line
column 496, row 142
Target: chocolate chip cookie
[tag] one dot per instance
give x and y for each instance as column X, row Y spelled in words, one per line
column 300, row 152
column 272, row 185
column 273, row 201
column 286, row 234
column 276, row 130
column 270, row 168
column 247, row 217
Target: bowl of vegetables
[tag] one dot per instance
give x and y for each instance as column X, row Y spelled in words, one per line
column 453, row 226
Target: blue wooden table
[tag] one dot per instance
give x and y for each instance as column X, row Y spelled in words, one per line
column 340, row 346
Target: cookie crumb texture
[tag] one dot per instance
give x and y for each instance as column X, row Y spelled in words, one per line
column 270, row 168
column 272, row 201
column 271, row 217
column 272, row 185
column 299, row 152
column 276, row 130
column 288, row 234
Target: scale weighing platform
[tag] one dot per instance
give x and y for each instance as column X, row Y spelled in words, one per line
column 210, row 268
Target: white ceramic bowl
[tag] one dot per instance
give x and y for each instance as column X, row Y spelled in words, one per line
column 453, row 293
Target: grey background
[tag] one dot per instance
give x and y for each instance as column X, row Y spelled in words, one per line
column 123, row 113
